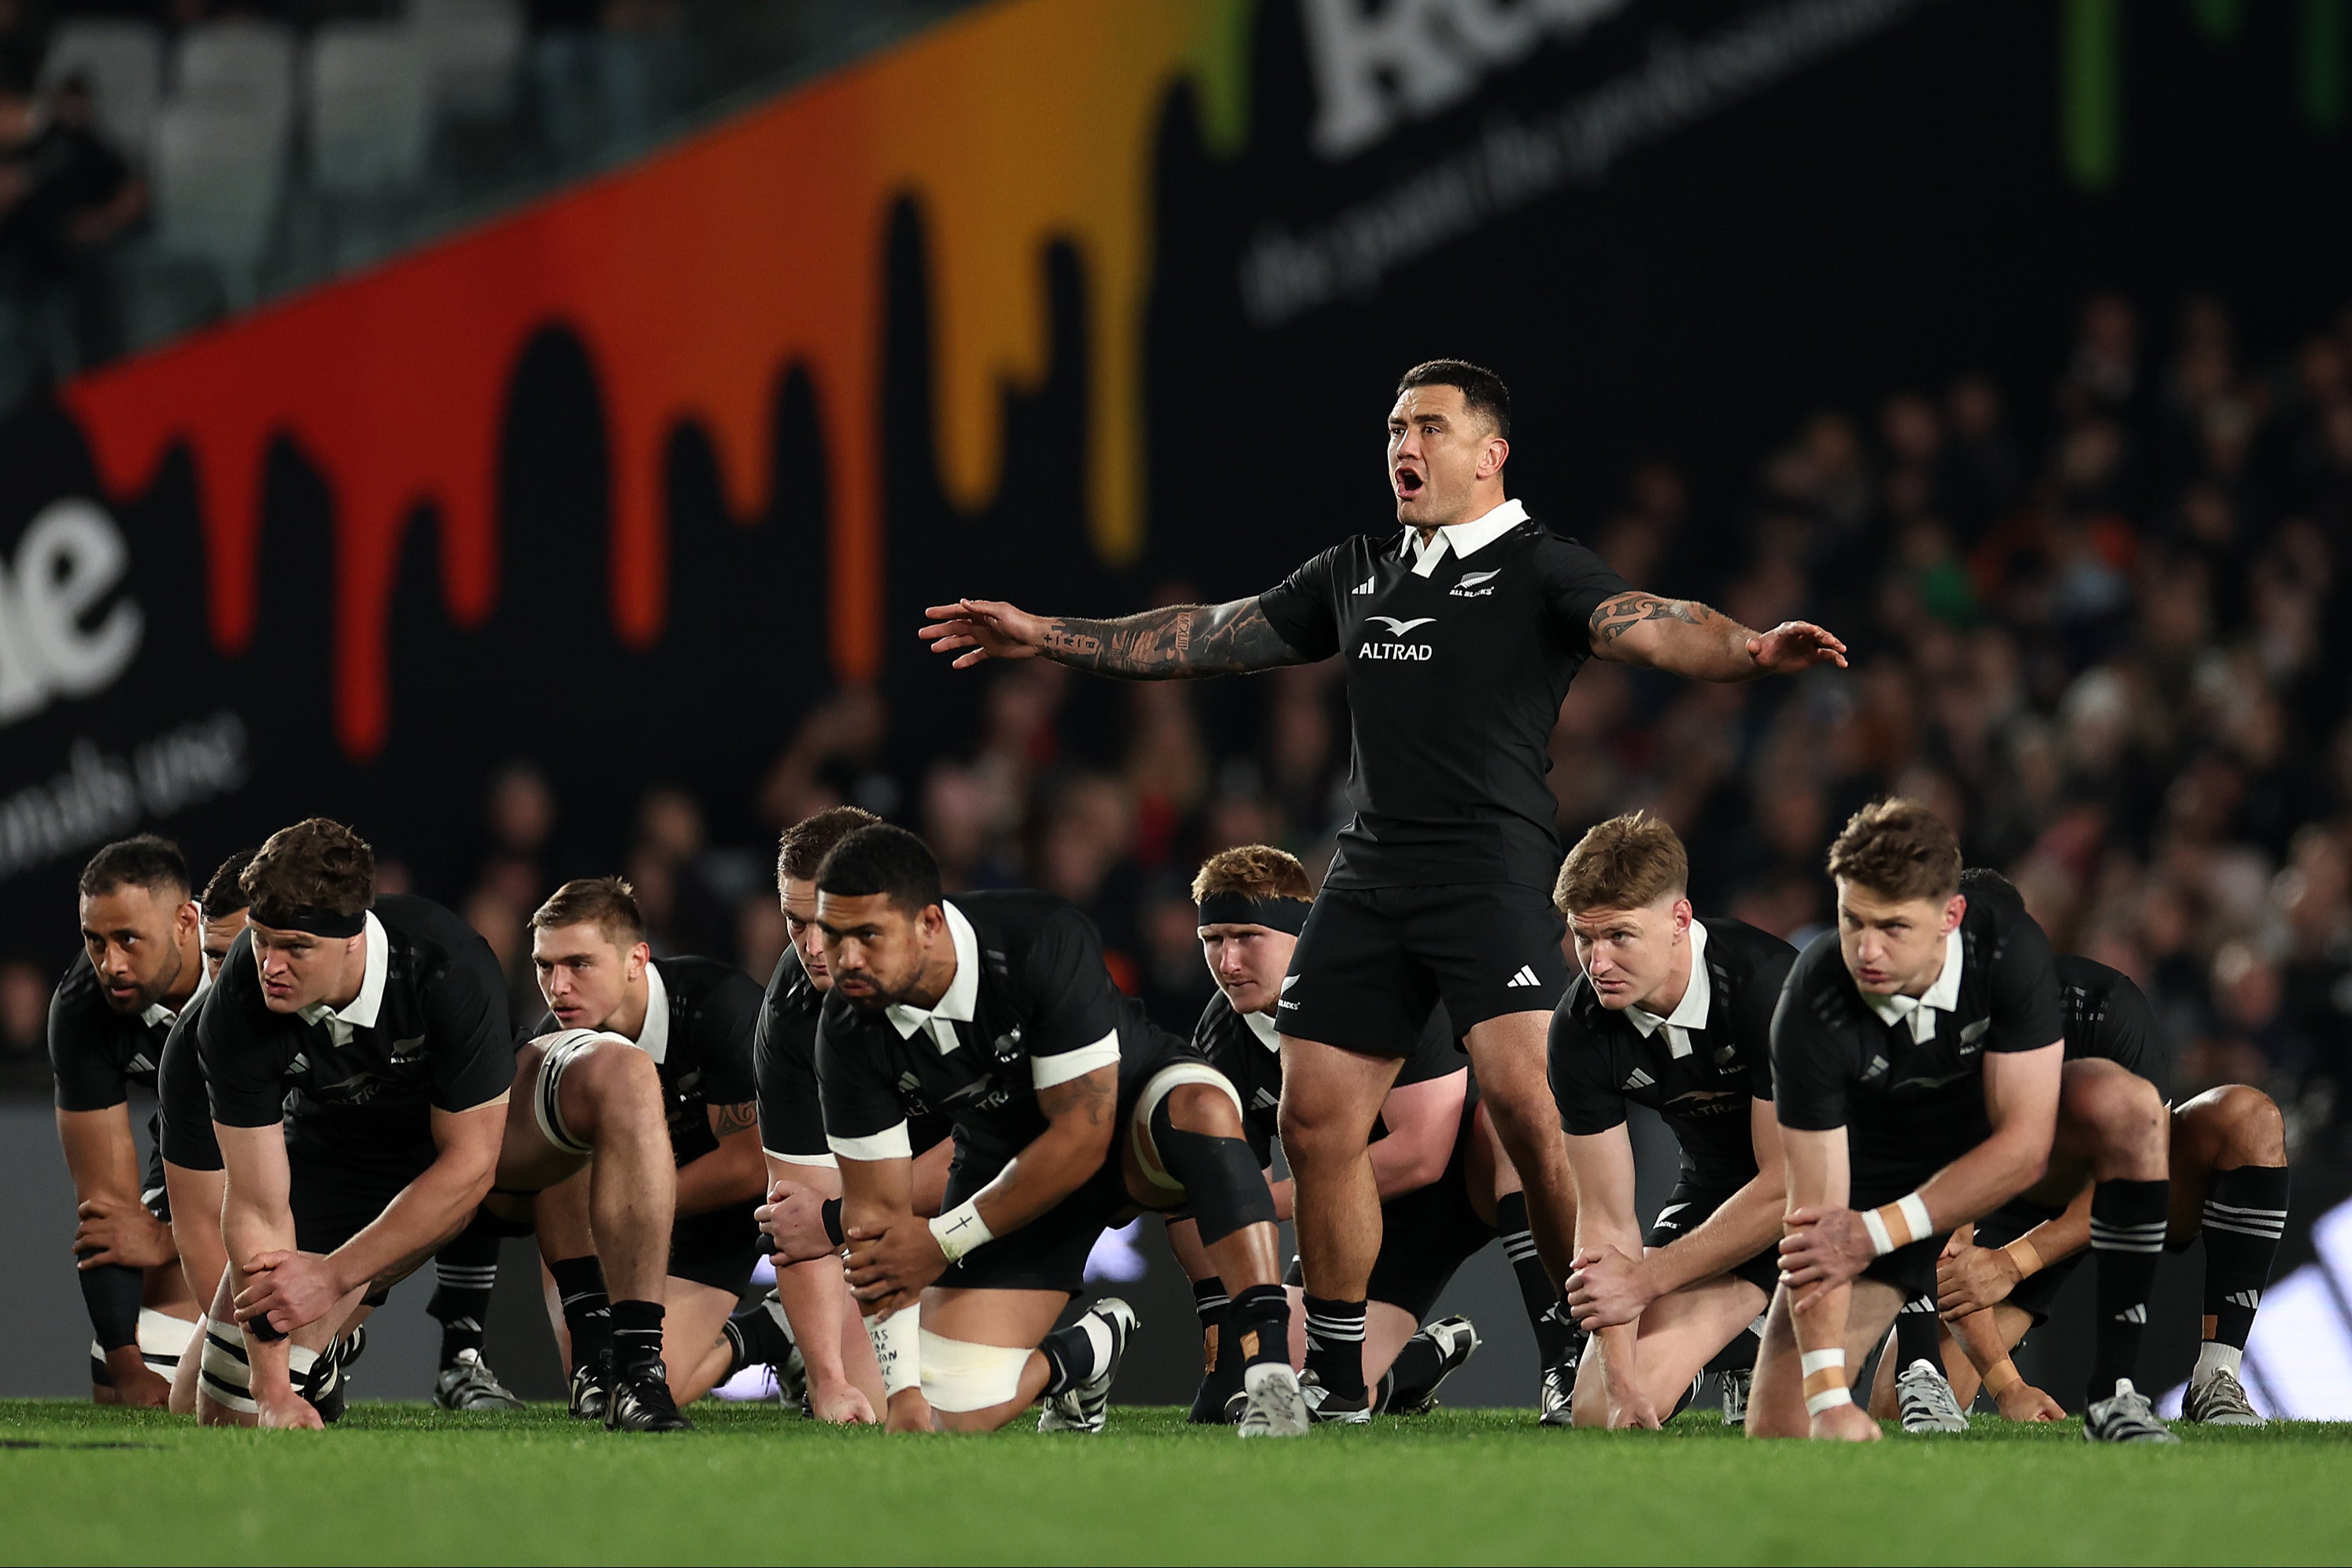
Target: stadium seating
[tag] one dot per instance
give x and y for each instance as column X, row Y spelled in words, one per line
column 471, row 49
column 368, row 107
column 124, row 62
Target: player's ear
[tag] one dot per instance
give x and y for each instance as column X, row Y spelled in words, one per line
column 639, row 956
column 1953, row 910
column 1682, row 918
column 1491, row 458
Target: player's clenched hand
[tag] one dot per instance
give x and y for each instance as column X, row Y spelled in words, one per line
column 1794, row 646
column 289, row 1411
column 841, row 1403
column 119, row 1231
column 2023, row 1402
column 977, row 629
column 1825, row 1245
column 1629, row 1407
column 1605, row 1288
column 794, row 1216
column 888, row 1268
column 1973, row 1278
column 292, row 1289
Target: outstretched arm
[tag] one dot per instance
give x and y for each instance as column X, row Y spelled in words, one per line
column 1683, row 636
column 1175, row 643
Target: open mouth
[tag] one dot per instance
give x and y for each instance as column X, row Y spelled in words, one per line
column 1409, row 484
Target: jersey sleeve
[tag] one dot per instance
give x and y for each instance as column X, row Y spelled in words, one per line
column 1301, row 608
column 239, row 1046
column 470, row 1045
column 863, row 1117
column 1751, row 1018
column 88, row 1077
column 1435, row 1054
column 2025, row 986
column 1575, row 583
column 1815, row 1064
column 1589, row 1099
column 731, row 1017
column 792, row 1117
column 1074, row 1029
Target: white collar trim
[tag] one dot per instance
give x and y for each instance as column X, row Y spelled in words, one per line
column 1941, row 998
column 1465, row 539
column 361, row 1011
column 653, row 1035
column 1691, row 1012
column 157, row 1014
column 1268, row 1032
column 963, row 993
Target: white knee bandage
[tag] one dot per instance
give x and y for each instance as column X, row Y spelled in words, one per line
column 897, row 1348
column 163, row 1339
column 958, row 1375
column 228, row 1377
column 562, row 1051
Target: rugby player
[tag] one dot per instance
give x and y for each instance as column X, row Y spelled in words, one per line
column 382, row 1024
column 1460, row 636
column 695, row 1019
column 849, row 1375
column 1435, row 1163
column 1915, row 1058
column 2227, row 1174
column 139, row 967
column 1070, row 1110
column 1674, row 1012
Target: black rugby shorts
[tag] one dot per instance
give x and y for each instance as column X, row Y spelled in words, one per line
column 1373, row 962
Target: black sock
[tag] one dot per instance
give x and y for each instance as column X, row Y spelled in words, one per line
column 1739, row 1355
column 2127, row 1241
column 1915, row 1335
column 587, row 1315
column 1418, row 1365
column 2245, row 1214
column 464, row 1272
column 1555, row 1329
column 1259, row 1321
column 756, row 1336
column 1075, row 1354
column 1335, row 1345
column 1221, row 1366
column 636, row 1338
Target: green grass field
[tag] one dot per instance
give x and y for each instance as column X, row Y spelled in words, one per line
column 398, row 1483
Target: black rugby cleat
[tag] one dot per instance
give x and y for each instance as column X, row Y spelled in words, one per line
column 640, row 1402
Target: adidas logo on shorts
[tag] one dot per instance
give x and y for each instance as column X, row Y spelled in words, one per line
column 2136, row 1313
column 1526, row 976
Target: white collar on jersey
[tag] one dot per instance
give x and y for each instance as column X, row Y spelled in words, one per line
column 1262, row 1024
column 1465, row 539
column 156, row 1014
column 359, row 1014
column 653, row 1035
column 1942, row 996
column 1690, row 1012
column 963, row 993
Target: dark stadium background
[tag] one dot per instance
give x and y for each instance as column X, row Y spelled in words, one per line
column 2003, row 339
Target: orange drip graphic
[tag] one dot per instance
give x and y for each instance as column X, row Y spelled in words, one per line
column 692, row 280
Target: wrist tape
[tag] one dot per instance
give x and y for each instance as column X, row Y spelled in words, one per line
column 2026, row 1256
column 2000, row 1377
column 1898, row 1224
column 1825, row 1380
column 960, row 1229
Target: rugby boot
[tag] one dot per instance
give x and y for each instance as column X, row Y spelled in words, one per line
column 1457, row 1341
column 1735, row 1386
column 590, row 1388
column 1275, row 1404
column 2125, row 1416
column 1327, row 1409
column 2219, row 1399
column 641, row 1402
column 1927, row 1402
column 468, row 1384
column 1080, row 1408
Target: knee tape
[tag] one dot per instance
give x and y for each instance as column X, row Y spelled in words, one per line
column 897, row 1348
column 566, row 1048
column 1220, row 1177
column 1151, row 1121
column 958, row 1375
column 228, row 1376
column 162, row 1341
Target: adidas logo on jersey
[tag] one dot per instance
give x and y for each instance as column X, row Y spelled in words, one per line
column 1265, row 1099
column 1637, row 1079
column 2132, row 1314
column 1526, row 976
column 1366, row 586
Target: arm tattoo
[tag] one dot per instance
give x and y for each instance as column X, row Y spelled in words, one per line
column 1094, row 1094
column 1180, row 641
column 730, row 1118
column 1621, row 615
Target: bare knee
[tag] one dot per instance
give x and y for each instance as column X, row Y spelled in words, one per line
column 619, row 1084
column 1321, row 1134
column 2124, row 1113
column 1204, row 1109
column 2240, row 1124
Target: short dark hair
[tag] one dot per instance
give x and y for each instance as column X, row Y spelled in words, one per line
column 222, row 894
column 1983, row 885
column 807, row 842
column 1898, row 849
column 884, row 859
column 318, row 864
column 145, row 861
column 609, row 903
column 1482, row 392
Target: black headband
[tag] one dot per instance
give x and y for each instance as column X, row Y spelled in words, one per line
column 1241, row 909
column 308, row 919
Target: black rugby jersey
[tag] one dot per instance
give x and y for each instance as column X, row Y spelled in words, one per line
column 784, row 1050
column 1911, row 1106
column 1246, row 1048
column 428, row 1031
column 98, row 1053
column 2107, row 1017
column 183, row 1110
column 1031, row 1001
column 701, row 1015
column 1454, row 681
column 1700, row 1068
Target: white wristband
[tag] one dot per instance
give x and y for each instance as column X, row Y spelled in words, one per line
column 960, row 1229
column 1825, row 1380
column 1881, row 1244
column 1829, row 1399
column 1814, row 1360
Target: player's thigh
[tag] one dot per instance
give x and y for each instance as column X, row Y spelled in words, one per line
column 1330, row 1096
column 693, row 1314
column 1495, row 951
column 1021, row 1318
column 1870, row 1312
column 978, row 1354
column 1683, row 1329
column 1355, row 983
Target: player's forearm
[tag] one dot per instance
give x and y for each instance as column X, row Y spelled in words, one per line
column 1979, row 1333
column 811, row 1294
column 420, row 1217
column 1747, row 1223
column 1180, row 641
column 2061, row 1235
column 1681, row 636
column 1984, row 1178
column 101, row 1154
column 1056, row 1163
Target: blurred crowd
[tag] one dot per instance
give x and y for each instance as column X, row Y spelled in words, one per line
column 2094, row 623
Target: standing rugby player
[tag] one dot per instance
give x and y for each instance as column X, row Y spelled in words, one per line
column 1460, row 636
column 140, row 966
